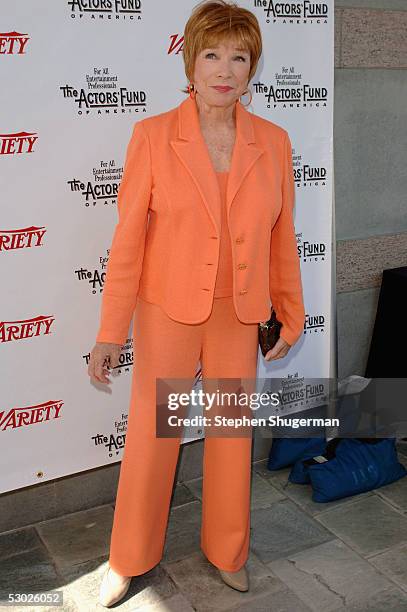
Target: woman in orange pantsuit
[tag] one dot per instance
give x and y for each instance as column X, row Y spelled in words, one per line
column 205, row 240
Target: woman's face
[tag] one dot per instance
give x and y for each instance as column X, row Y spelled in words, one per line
column 223, row 65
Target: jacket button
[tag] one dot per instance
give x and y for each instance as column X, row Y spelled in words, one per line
column 243, row 291
column 242, row 266
column 239, row 240
column 214, row 237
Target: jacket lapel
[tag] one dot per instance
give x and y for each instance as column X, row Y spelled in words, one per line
column 192, row 150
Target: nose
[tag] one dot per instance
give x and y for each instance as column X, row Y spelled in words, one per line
column 225, row 68
column 225, row 74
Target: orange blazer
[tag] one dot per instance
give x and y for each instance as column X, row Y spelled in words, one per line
column 165, row 246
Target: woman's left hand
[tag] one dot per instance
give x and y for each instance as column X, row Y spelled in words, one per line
column 279, row 350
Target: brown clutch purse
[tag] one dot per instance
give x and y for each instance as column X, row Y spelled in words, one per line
column 269, row 333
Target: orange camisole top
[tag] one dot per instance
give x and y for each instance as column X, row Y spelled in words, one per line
column 224, row 278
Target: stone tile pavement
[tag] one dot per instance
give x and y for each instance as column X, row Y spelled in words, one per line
column 349, row 555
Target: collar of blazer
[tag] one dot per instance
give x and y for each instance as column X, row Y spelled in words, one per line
column 192, row 150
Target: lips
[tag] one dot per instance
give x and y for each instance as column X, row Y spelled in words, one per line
column 222, row 88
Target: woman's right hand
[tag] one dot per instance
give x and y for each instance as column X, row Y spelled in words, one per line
column 103, row 357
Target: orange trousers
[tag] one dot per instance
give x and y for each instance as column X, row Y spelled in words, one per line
column 165, row 348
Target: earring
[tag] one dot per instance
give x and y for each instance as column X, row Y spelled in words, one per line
column 251, row 97
column 191, row 89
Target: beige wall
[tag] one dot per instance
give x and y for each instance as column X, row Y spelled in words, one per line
column 370, row 135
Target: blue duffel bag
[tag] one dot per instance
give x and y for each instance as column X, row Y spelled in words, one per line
column 352, row 466
column 300, row 473
column 286, row 451
column 290, row 450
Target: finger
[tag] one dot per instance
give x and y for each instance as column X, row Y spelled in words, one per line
column 101, row 375
column 91, row 366
column 95, row 369
column 275, row 354
column 100, row 371
column 282, row 353
column 113, row 363
column 115, row 359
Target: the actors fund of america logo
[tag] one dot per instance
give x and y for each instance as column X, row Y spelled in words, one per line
column 104, row 95
column 307, row 175
column 104, row 187
column 289, row 90
column 299, row 393
column 116, row 10
column 314, row 323
column 293, row 12
column 295, row 393
column 96, row 277
column 126, row 358
column 113, row 442
column 310, row 251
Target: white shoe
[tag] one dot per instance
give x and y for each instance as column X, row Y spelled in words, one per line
column 113, row 588
column 237, row 580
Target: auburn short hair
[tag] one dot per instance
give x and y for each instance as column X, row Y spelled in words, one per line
column 212, row 20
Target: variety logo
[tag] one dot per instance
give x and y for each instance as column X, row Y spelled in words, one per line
column 176, row 44
column 113, row 442
column 19, row 330
column 20, row 417
column 292, row 12
column 310, row 251
column 13, row 43
column 107, row 177
column 20, row 142
column 23, row 238
column 105, row 9
column 289, row 91
column 314, row 323
column 103, row 95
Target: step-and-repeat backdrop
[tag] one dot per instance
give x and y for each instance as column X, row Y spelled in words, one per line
column 76, row 75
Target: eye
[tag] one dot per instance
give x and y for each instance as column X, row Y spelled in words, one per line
column 237, row 56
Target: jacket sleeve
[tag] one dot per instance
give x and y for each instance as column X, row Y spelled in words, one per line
column 286, row 291
column 126, row 254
